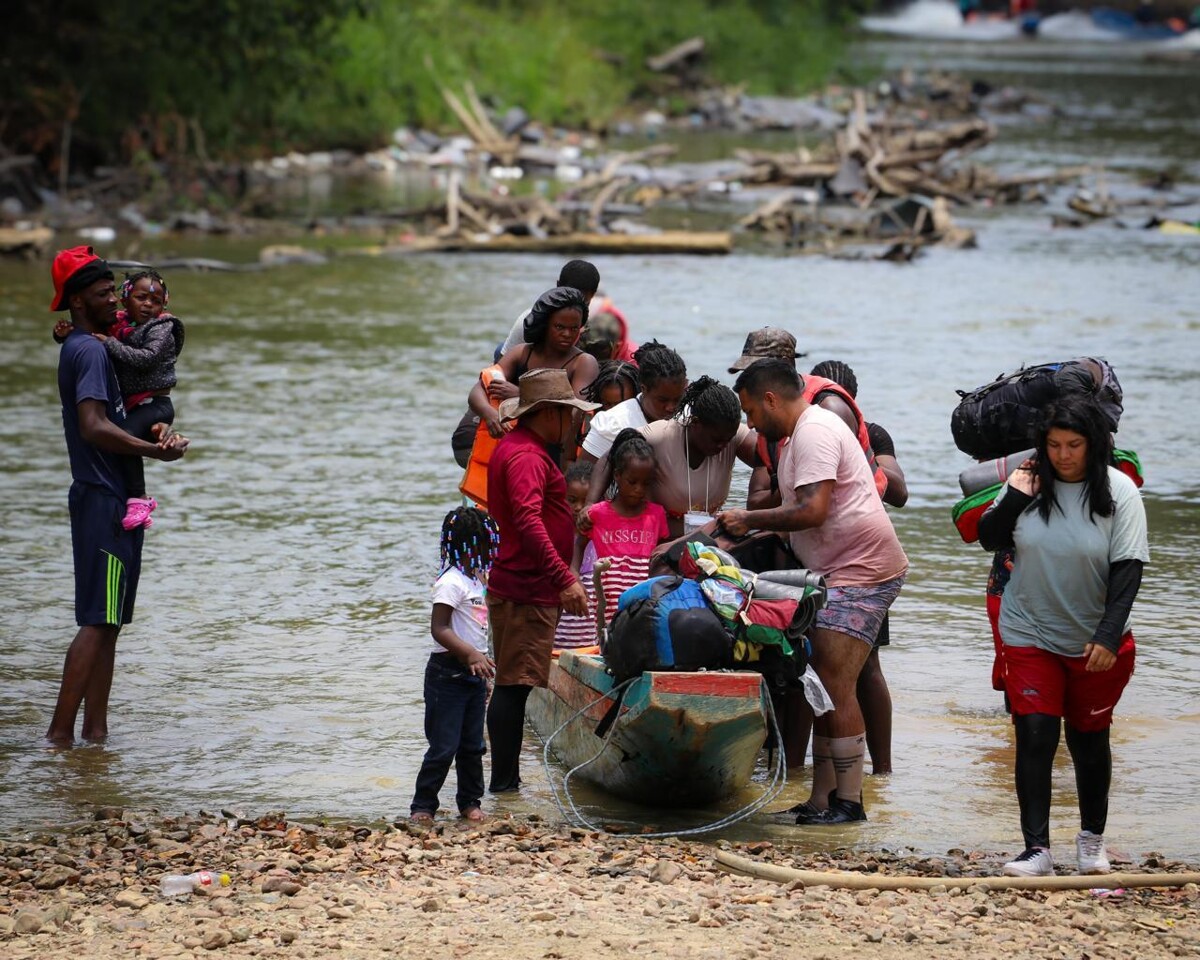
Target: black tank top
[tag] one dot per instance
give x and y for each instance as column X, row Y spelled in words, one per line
column 523, row 363
column 555, row 450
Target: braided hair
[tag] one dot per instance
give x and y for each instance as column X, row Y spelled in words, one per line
column 469, row 541
column 658, row 362
column 150, row 274
column 710, row 402
column 619, row 373
column 629, row 445
column 840, row 373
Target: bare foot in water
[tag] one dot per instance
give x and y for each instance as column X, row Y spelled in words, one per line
column 474, row 814
column 421, row 816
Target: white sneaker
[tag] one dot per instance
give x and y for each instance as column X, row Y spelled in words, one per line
column 1089, row 848
column 1034, row 862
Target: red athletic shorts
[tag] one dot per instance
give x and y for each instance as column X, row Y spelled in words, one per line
column 1038, row 681
column 993, row 612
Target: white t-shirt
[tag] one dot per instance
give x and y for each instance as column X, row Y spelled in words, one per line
column 516, row 336
column 469, row 618
column 606, row 424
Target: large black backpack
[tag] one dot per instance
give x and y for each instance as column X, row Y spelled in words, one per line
column 665, row 624
column 1001, row 417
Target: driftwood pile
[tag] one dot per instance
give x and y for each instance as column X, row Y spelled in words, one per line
column 883, row 165
column 880, row 177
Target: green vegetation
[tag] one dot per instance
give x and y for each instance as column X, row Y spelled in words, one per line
column 235, row 77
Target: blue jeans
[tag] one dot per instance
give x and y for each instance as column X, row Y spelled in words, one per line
column 454, row 709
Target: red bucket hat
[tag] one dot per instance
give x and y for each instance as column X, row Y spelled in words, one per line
column 73, row 270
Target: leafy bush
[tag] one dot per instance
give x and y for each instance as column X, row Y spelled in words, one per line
column 231, row 77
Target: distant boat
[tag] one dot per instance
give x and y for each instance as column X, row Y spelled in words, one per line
column 680, row 739
column 1125, row 26
column 941, row 20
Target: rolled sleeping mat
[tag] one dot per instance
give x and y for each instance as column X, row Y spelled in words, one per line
column 980, row 476
column 790, row 585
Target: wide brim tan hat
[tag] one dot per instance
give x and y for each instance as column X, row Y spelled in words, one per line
column 543, row 388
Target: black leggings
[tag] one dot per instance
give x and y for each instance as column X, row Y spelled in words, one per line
column 506, row 729
column 1037, row 742
column 138, row 422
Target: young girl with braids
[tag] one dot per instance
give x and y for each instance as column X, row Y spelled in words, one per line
column 457, row 674
column 627, row 528
column 663, row 378
column 694, row 451
column 616, row 383
column 143, row 344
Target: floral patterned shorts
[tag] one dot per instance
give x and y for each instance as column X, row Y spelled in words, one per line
column 859, row 611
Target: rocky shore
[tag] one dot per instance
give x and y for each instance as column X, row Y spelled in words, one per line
column 525, row 888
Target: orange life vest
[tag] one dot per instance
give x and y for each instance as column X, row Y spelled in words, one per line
column 813, row 386
column 474, row 481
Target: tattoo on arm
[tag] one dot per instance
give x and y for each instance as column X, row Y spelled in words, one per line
column 805, row 494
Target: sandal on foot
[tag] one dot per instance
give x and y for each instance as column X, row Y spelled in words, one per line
column 474, row 814
column 420, row 816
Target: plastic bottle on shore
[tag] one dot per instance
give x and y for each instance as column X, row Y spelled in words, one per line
column 177, row 885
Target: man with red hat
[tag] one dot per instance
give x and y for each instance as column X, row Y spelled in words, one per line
column 107, row 557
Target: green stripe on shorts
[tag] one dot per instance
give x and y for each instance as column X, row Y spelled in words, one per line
column 114, row 590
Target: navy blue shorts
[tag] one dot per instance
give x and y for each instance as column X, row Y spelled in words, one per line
column 108, row 558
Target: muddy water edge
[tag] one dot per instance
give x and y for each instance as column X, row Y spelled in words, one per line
column 277, row 654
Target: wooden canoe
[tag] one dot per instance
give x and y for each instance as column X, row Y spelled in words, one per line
column 680, row 740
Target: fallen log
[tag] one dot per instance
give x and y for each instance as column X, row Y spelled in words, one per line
column 875, row 881
column 25, row 242
column 714, row 243
column 479, row 126
column 658, row 151
column 679, row 53
column 596, row 213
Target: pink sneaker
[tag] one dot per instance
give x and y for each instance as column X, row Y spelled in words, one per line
column 137, row 512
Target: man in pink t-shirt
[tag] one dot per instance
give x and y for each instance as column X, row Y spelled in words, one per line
column 838, row 527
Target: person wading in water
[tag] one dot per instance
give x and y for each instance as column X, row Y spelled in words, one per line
column 551, row 331
column 531, row 578
column 108, row 558
column 836, row 521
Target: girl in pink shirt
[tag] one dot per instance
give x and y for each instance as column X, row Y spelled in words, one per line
column 627, row 528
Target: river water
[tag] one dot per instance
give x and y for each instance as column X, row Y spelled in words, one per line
column 276, row 658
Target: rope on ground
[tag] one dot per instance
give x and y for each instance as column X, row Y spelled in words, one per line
column 773, row 789
column 878, row 881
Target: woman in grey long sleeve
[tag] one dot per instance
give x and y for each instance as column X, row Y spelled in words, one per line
column 1079, row 530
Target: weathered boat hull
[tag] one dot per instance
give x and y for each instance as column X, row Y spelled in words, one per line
column 681, row 740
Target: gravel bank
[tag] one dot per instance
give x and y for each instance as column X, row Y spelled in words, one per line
column 523, row 888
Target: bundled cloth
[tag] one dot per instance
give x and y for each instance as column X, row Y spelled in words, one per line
column 715, row 615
